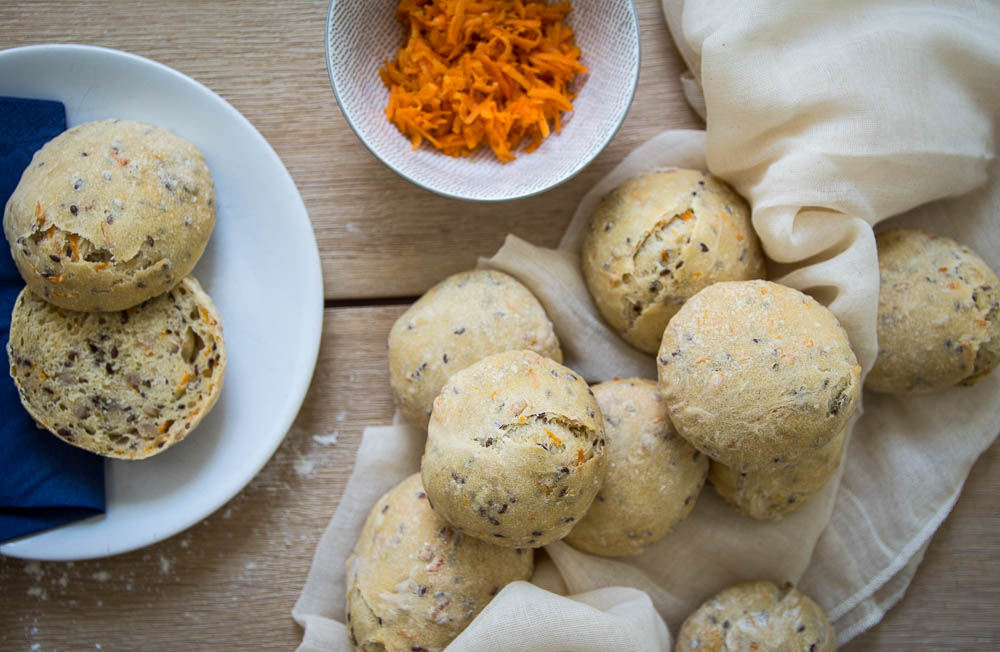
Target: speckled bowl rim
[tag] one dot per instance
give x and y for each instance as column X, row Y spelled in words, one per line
column 636, row 43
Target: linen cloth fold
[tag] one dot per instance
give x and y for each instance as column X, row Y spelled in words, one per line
column 44, row 482
column 829, row 118
column 522, row 616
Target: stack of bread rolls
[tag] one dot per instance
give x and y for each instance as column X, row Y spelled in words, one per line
column 114, row 347
column 757, row 384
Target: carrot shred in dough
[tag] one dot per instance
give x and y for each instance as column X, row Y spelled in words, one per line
column 482, row 72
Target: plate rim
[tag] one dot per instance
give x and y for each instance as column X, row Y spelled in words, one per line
column 297, row 389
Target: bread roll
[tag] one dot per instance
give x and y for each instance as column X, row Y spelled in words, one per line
column 413, row 582
column 756, row 374
column 110, row 214
column 459, row 321
column 757, row 617
column 656, row 240
column 938, row 314
column 126, row 384
column 515, row 450
column 653, row 479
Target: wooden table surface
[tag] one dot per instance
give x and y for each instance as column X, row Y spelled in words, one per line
column 231, row 580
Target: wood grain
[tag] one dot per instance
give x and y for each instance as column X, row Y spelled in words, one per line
column 378, row 234
column 952, row 602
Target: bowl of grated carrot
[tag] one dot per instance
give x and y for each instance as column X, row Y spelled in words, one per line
column 484, row 100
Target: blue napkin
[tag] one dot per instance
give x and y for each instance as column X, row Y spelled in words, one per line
column 43, row 481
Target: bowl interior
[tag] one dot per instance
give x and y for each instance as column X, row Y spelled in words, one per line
column 363, row 35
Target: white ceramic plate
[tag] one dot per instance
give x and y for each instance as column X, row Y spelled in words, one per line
column 261, row 267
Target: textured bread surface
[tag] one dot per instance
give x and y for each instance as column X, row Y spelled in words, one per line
column 653, row 477
column 656, row 240
column 414, row 582
column 756, row 374
column 125, row 384
column 109, row 214
column 776, row 493
column 515, row 450
column 757, row 616
column 463, row 319
column 938, row 314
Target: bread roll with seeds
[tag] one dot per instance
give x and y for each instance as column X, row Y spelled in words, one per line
column 938, row 314
column 413, row 582
column 774, row 494
column 110, row 214
column 757, row 617
column 126, row 384
column 515, row 450
column 653, row 477
column 460, row 320
column 656, row 240
column 756, row 374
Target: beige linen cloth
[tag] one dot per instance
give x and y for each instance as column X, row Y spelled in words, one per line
column 829, row 117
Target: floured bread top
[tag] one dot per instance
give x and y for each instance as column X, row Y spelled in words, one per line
column 109, row 214
column 653, row 479
column 756, row 374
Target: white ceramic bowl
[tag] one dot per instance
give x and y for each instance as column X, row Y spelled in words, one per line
column 362, row 34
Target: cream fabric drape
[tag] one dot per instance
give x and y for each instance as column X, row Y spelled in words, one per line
column 830, row 118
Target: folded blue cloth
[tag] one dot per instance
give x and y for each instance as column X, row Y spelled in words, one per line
column 43, row 481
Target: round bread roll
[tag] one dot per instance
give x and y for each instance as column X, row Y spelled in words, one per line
column 460, row 320
column 658, row 239
column 938, row 314
column 413, row 582
column 515, row 450
column 756, row 374
column 109, row 214
column 774, row 494
column 126, row 384
column 653, row 478
column 757, row 617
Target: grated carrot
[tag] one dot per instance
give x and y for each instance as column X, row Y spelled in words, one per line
column 205, row 316
column 482, row 72
column 74, row 244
